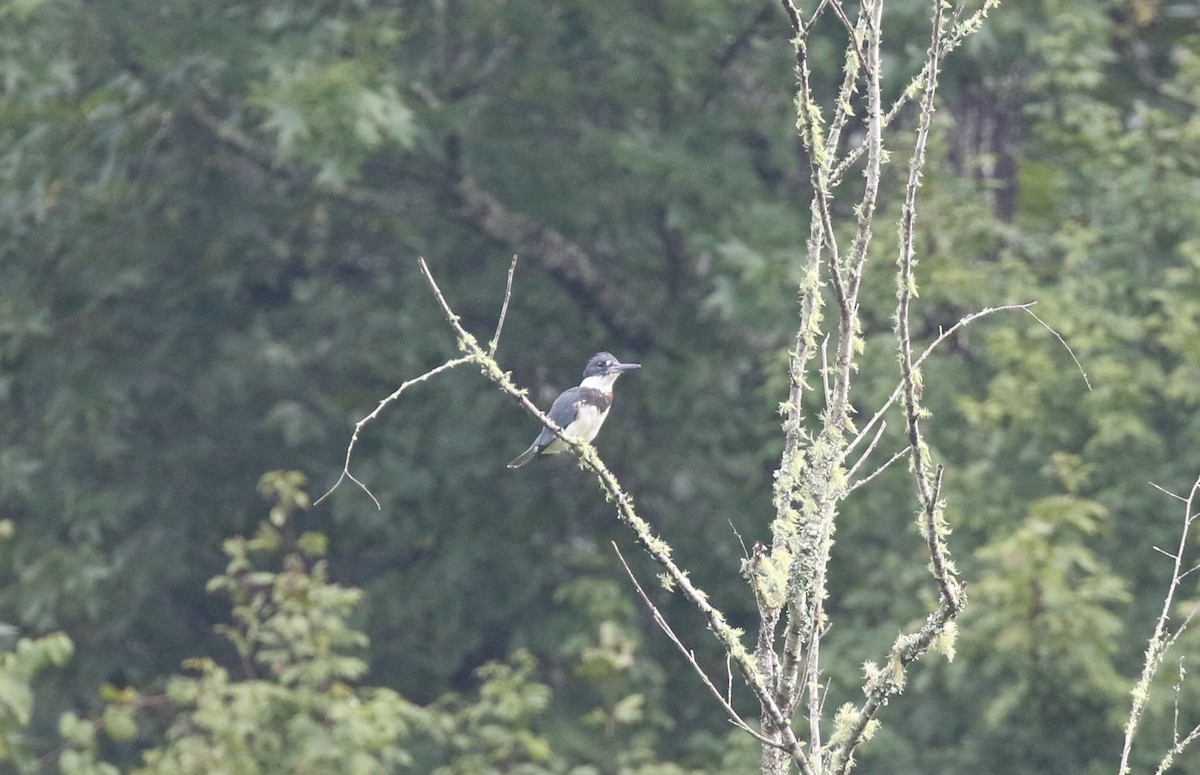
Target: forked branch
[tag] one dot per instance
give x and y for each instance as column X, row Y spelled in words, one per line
column 659, row 550
column 1163, row 639
column 722, row 699
column 928, row 483
column 450, row 364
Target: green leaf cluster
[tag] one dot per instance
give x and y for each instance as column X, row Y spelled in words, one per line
column 209, row 217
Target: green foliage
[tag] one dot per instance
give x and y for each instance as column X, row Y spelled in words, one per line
column 18, row 669
column 325, row 94
column 263, row 726
column 295, row 703
column 208, row 215
column 1045, row 627
column 296, row 710
column 497, row 732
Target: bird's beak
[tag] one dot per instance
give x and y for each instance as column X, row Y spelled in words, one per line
column 626, row 366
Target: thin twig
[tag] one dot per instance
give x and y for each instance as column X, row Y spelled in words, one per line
column 1187, row 620
column 908, row 648
column 1063, row 342
column 1163, row 552
column 867, row 453
column 794, row 17
column 843, row 107
column 812, row 665
column 1178, row 688
column 1169, row 757
column 866, row 479
column 729, row 679
column 825, row 371
column 792, row 662
column 851, row 33
column 959, row 33
column 932, row 516
column 1189, row 571
column 871, row 19
column 1159, row 642
column 816, row 14
column 964, row 321
column 1165, row 491
column 937, row 482
column 690, row 656
column 492, row 345
column 358, row 426
column 745, row 552
column 468, row 344
column 729, row 637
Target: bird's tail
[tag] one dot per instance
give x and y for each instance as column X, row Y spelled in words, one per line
column 525, row 456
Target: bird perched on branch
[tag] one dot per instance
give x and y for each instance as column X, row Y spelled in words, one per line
column 581, row 410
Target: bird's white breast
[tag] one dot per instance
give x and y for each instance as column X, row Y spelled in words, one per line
column 587, row 422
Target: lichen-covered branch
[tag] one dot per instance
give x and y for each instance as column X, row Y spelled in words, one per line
column 730, row 637
column 933, row 524
column 960, row 31
column 1162, row 639
column 734, row 717
column 883, row 682
column 809, row 480
column 856, row 725
column 814, row 475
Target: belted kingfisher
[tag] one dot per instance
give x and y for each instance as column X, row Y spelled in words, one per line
column 581, row 410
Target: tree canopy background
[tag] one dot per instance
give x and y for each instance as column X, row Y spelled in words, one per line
column 209, row 218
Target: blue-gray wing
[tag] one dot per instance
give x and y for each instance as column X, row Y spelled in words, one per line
column 562, row 412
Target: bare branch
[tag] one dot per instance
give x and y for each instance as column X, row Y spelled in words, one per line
column 825, row 371
column 820, row 9
column 1160, row 642
column 851, row 32
column 871, row 19
column 907, row 649
column 964, row 321
column 729, row 637
column 492, row 345
column 889, row 679
column 358, row 426
column 812, row 662
column 866, row 454
column 729, row 682
column 866, row 480
column 933, row 522
column 1187, row 620
column 745, row 552
column 794, row 17
column 793, row 661
column 1165, row 491
column 1176, row 749
column 689, row 655
column 1063, row 342
column 959, row 31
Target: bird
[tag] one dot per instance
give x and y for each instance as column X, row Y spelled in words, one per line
column 579, row 411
